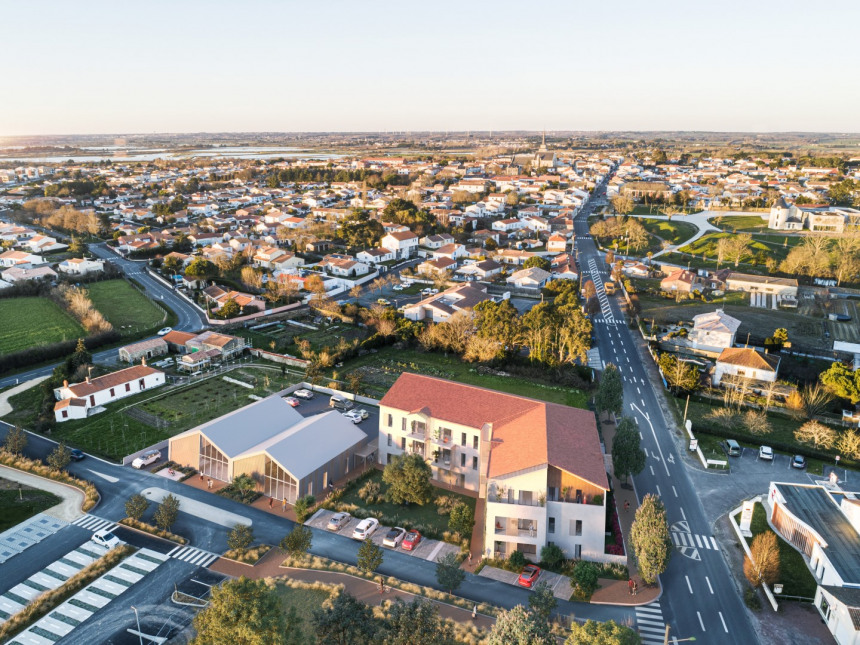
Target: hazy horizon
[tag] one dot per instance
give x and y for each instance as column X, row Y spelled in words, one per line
column 97, row 68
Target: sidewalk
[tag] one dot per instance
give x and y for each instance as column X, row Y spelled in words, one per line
column 364, row 590
column 5, row 407
column 616, row 592
column 73, row 498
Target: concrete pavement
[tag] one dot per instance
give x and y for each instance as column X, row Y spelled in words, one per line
column 73, row 498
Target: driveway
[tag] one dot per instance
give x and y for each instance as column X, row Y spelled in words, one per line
column 559, row 584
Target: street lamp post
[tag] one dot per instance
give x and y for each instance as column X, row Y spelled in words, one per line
column 140, row 636
column 676, row 640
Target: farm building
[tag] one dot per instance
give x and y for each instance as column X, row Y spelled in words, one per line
column 76, row 400
column 151, row 348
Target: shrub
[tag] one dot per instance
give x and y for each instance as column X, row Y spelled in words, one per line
column 38, row 468
column 584, row 578
column 240, row 537
column 153, row 530
column 370, row 493
column 462, row 520
column 445, row 503
column 552, row 556
column 751, row 600
column 303, row 507
column 517, row 560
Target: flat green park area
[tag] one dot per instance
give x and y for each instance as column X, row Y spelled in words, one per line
column 126, row 308
column 31, row 321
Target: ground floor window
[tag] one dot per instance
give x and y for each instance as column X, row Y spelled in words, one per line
column 212, row 461
column 278, row 483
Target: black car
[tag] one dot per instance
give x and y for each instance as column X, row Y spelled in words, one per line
column 76, row 454
column 798, row 461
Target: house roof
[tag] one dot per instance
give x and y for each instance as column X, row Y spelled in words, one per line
column 761, row 279
column 716, row 321
column 850, row 597
column 402, row 235
column 748, row 357
column 178, row 337
column 111, row 380
column 526, row 433
column 144, row 345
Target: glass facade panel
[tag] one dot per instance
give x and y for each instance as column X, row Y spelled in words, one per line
column 212, row 461
column 277, row 483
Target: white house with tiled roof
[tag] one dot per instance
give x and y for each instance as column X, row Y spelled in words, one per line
column 74, row 401
column 746, row 362
column 402, row 243
column 538, row 467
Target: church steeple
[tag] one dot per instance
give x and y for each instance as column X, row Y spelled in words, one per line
column 542, row 142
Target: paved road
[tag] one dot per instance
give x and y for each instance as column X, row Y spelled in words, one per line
column 189, row 317
column 700, row 599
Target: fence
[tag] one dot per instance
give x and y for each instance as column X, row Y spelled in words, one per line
column 707, row 463
column 284, row 359
column 746, row 549
column 161, row 445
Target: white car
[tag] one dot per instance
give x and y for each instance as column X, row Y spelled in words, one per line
column 765, row 452
column 337, row 521
column 105, row 538
column 304, row 394
column 164, row 331
column 364, row 414
column 353, row 416
column 398, row 287
column 365, row 528
column 146, row 459
column 394, row 537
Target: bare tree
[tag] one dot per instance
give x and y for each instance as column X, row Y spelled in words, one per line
column 817, row 434
column 764, row 564
column 849, row 443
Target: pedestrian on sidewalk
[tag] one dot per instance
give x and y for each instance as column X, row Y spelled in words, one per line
column 626, row 506
column 634, row 587
column 271, row 501
column 470, row 557
column 630, row 584
column 475, row 612
column 210, row 483
column 284, row 505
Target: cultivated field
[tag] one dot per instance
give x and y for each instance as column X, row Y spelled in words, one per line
column 31, row 321
column 126, row 308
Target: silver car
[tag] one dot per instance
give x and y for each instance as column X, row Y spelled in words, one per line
column 337, row 521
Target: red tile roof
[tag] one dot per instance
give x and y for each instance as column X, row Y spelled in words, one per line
column 526, row 433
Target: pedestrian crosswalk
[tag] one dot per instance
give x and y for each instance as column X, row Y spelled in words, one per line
column 193, row 555
column 93, row 523
column 682, row 539
column 650, row 623
column 602, row 298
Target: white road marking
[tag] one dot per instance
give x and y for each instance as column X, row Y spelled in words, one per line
column 700, row 621
column 652, row 469
column 682, row 513
column 689, row 586
column 722, row 620
column 641, row 436
column 698, row 541
column 643, row 402
column 639, row 390
column 716, row 548
column 659, row 494
column 709, row 584
column 674, row 491
column 112, row 480
column 197, row 509
column 654, row 434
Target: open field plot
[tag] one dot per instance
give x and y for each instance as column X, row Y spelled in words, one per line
column 381, row 369
column 31, row 321
column 304, row 601
column 738, row 222
column 642, row 209
column 16, row 506
column 422, row 517
column 284, row 334
column 126, row 308
column 673, row 231
column 757, row 322
column 707, row 246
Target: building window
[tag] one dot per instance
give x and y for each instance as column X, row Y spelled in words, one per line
column 475, row 442
column 463, row 439
column 389, row 440
column 403, row 443
column 212, row 461
column 65, row 414
column 577, row 551
column 578, row 528
column 550, row 528
column 278, row 484
column 474, row 463
column 462, row 459
column 128, row 387
column 112, row 393
column 403, row 424
column 390, row 420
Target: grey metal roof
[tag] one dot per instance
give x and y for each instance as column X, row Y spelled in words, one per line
column 814, row 506
column 242, row 429
column 310, row 443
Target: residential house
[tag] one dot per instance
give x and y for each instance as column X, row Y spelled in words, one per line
column 556, row 243
column 288, row 455
column 375, row 256
column 508, row 225
column 746, row 362
column 266, row 255
column 441, row 306
column 636, row 269
column 81, row 266
column 682, row 281
column 75, row 401
column 343, row 265
column 25, row 272
column 42, row 244
column 533, row 278
column 145, row 349
column 764, row 284
column 714, row 331
column 18, row 258
column 538, row 467
column 401, row 243
column 219, row 296
column 437, row 241
column 450, row 251
column 482, row 270
column 436, row 267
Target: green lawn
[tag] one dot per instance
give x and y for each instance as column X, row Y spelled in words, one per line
column 14, row 510
column 382, row 368
column 126, row 308
column 304, row 601
column 407, row 516
column 738, row 223
column 793, row 572
column 707, row 246
column 31, row 321
column 115, row 433
column 673, row 231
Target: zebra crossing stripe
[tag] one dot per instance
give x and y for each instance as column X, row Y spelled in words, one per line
column 193, row 555
column 694, row 540
column 93, row 523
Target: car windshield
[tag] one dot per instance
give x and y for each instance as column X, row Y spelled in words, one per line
column 107, row 537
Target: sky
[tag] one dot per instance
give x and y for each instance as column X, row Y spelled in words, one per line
column 127, row 67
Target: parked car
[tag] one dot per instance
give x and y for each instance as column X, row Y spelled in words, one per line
column 353, row 416
column 398, row 287
column 529, row 576
column 293, row 401
column 146, row 459
column 339, row 403
column 304, row 394
column 365, row 528
column 337, row 521
column 364, row 414
column 798, row 461
column 394, row 537
column 732, row 448
column 105, row 538
column 164, row 331
column 383, row 301
column 765, row 452
column 76, row 454
column 411, row 540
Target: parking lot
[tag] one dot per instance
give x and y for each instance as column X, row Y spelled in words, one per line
column 559, row 584
column 427, row 549
column 319, row 404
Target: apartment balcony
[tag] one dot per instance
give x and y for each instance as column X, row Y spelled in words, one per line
column 515, row 527
column 443, row 439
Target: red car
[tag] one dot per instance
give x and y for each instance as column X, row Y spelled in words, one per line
column 528, row 576
column 293, row 401
column 411, row 540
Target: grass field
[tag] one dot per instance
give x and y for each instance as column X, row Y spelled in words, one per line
column 738, row 222
column 794, row 575
column 304, row 601
column 31, row 321
column 671, row 231
column 16, row 507
column 412, row 515
column 382, row 368
column 126, row 308
column 156, row 415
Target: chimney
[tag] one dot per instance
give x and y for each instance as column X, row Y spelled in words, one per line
column 143, row 361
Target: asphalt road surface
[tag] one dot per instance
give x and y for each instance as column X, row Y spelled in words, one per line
column 699, row 596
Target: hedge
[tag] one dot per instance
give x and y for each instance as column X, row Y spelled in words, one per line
column 36, row 467
column 43, row 353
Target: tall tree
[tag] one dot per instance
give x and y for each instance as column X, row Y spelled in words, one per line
column 519, row 626
column 610, row 395
column 246, row 612
column 628, row 458
column 298, row 541
column 240, row 537
column 417, row 623
column 345, row 622
column 842, row 381
column 59, row 457
column 764, row 565
column 680, row 375
column 538, row 262
column 408, row 479
column 449, row 575
column 369, row 556
column 649, row 537
column 136, row 506
column 16, row 440
column 542, row 601
column 462, row 520
column 167, row 513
